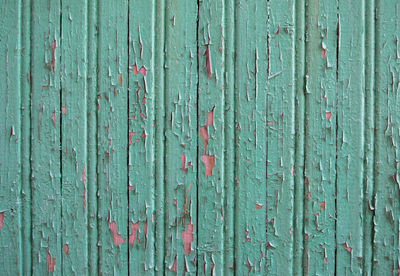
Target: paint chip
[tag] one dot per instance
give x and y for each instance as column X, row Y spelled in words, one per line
column 209, row 163
column 117, row 239
column 1, row 219
column 134, row 235
column 50, row 264
column 187, row 238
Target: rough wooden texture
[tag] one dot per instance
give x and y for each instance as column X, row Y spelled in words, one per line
column 203, row 137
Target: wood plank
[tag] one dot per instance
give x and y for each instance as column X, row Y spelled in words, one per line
column 281, row 139
column 369, row 133
column 141, row 137
column 74, row 137
column 211, row 93
column 45, row 137
column 320, row 140
column 91, row 171
column 350, row 138
column 112, row 137
column 181, row 137
column 10, row 138
column 387, row 139
column 159, row 92
column 298, row 210
column 251, row 136
column 229, row 128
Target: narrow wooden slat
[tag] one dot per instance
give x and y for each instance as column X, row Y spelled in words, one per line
column 181, row 137
column 74, row 137
column 350, row 138
column 229, row 128
column 112, row 135
column 91, row 165
column 25, row 138
column 387, row 139
column 159, row 94
column 320, row 140
column 45, row 137
column 10, row 138
column 251, row 140
column 141, row 137
column 300, row 135
column 281, row 139
column 368, row 212
column 211, row 45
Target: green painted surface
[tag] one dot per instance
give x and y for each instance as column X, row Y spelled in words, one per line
column 199, row 137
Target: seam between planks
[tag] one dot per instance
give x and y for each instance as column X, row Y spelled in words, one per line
column 127, row 143
column 336, row 126
column 197, row 128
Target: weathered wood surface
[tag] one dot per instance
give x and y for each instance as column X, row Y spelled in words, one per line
column 200, row 137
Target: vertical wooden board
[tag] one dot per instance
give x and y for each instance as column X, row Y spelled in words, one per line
column 112, row 135
column 74, row 136
column 350, row 137
column 159, row 94
column 320, row 140
column 45, row 137
column 181, row 137
column 229, row 135
column 25, row 76
column 387, row 139
column 300, row 135
column 281, row 139
column 91, row 164
column 141, row 137
column 211, row 134
column 10, row 137
column 369, row 134
column 251, row 139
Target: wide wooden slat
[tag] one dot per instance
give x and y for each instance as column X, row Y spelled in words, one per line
column 141, row 137
column 211, row 91
column 112, row 136
column 45, row 137
column 387, row 138
column 281, row 139
column 251, row 67
column 320, row 140
column 181, row 137
column 10, row 138
column 74, row 137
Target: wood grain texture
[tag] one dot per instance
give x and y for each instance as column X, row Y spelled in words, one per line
column 200, row 137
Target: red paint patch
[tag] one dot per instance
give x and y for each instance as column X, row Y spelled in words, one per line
column 83, row 176
column 143, row 71
column 1, row 219
column 209, row 163
column 134, row 69
column 117, row 239
column 258, row 206
column 322, row 52
column 50, row 264
column 53, row 60
column 208, row 61
column 210, row 117
column 348, row 248
column 322, row 205
column 183, row 162
column 271, row 123
column 66, row 249
column 64, row 110
column 247, row 236
column 204, row 137
column 130, row 137
column 187, row 238
column 120, row 79
column 173, row 267
column 145, row 234
column 53, row 117
column 134, row 234
column 328, row 115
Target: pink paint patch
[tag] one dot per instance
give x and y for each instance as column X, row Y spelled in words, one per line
column 83, row 176
column 208, row 61
column 209, row 163
column 348, row 248
column 134, row 234
column 328, row 115
column 143, row 71
column 292, row 170
column 183, row 162
column 53, row 117
column 117, row 239
column 145, row 234
column 66, row 249
column 322, row 52
column 1, row 219
column 173, row 267
column 130, row 137
column 64, row 110
column 271, row 123
column 210, row 117
column 50, row 264
column 204, row 137
column 134, row 69
column 53, row 59
column 187, row 238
